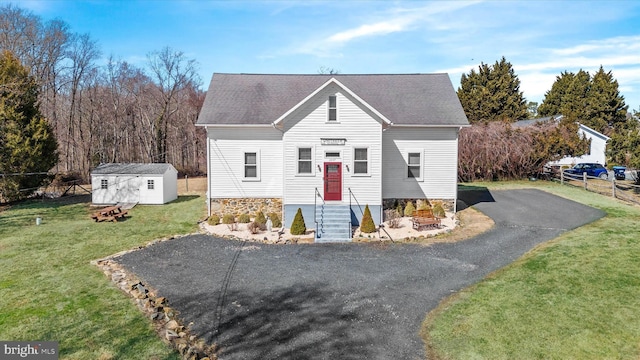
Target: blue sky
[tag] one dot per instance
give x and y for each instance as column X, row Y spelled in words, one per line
column 539, row 38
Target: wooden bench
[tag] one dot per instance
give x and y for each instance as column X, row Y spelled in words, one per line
column 424, row 218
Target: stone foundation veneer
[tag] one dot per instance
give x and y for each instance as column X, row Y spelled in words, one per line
column 447, row 204
column 237, row 206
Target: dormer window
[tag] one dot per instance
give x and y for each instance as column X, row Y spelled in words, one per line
column 333, row 108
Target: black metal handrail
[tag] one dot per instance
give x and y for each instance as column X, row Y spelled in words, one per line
column 315, row 206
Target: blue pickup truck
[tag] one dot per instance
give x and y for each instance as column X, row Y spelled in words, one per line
column 592, row 169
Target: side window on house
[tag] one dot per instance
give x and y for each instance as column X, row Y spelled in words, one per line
column 360, row 161
column 304, row 161
column 104, row 184
column 333, row 108
column 251, row 165
column 414, row 165
column 150, row 185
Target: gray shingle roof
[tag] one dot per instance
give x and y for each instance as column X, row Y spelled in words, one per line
column 404, row 99
column 131, row 169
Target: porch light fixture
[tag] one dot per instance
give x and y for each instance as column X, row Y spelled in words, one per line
column 347, row 166
column 319, row 168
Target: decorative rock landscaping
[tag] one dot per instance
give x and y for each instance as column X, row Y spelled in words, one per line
column 165, row 320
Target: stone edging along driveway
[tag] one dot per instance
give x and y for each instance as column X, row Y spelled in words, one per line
column 338, row 301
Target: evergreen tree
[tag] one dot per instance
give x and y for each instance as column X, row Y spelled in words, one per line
column 493, row 93
column 592, row 101
column 27, row 143
column 298, row 227
column 606, row 107
column 367, row 226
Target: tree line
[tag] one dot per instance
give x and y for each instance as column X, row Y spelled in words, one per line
column 113, row 112
column 494, row 149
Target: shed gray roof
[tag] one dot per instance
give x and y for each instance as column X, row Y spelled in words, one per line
column 131, row 169
column 404, row 99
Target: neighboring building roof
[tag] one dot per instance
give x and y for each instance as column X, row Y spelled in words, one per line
column 131, row 169
column 530, row 122
column 403, row 99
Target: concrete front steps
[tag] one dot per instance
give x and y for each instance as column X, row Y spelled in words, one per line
column 333, row 223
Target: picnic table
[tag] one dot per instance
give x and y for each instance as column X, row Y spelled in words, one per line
column 109, row 213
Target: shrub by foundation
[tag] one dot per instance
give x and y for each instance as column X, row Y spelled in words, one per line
column 244, row 219
column 275, row 220
column 213, row 220
column 228, row 219
column 409, row 209
column 298, row 227
column 260, row 219
column 367, row 225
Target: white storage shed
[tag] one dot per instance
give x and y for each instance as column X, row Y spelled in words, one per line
column 134, row 183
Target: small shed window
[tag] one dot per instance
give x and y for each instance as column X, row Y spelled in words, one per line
column 104, row 184
column 150, row 185
column 361, row 161
column 333, row 108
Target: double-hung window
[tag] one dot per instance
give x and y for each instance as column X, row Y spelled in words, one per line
column 150, row 185
column 414, row 165
column 333, row 108
column 361, row 161
column 305, row 162
column 104, row 184
column 252, row 165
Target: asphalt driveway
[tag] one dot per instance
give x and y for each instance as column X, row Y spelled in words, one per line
column 340, row 301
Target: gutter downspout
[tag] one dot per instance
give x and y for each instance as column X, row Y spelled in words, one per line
column 284, row 167
column 208, row 174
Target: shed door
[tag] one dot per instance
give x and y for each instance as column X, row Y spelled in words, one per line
column 333, row 181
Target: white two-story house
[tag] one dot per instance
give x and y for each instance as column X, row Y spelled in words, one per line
column 277, row 143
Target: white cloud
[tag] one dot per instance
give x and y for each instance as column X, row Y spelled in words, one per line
column 395, row 20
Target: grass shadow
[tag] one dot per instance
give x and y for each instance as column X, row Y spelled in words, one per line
column 296, row 322
column 184, row 198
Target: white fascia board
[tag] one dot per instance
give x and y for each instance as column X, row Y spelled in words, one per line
column 595, row 132
column 346, row 89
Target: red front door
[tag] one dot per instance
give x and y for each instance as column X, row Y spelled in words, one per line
column 333, row 181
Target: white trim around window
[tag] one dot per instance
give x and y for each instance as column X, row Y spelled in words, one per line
column 361, row 161
column 305, row 161
column 251, row 165
column 332, row 109
column 415, row 164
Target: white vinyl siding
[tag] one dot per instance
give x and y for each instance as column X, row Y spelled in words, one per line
column 439, row 164
column 227, row 146
column 308, row 125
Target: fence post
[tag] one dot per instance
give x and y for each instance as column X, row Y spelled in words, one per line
column 613, row 187
column 561, row 177
column 584, row 179
column 186, row 182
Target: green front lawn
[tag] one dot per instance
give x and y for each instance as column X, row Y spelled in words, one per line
column 50, row 292
column 575, row 297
